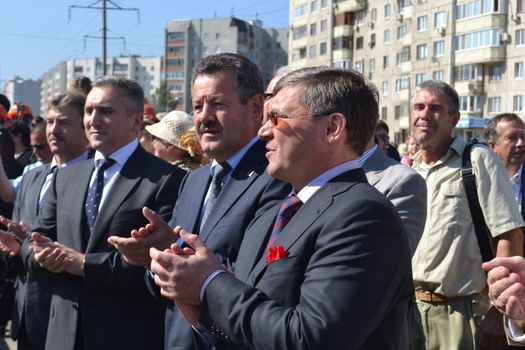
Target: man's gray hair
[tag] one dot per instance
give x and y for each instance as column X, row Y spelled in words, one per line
column 441, row 88
column 325, row 90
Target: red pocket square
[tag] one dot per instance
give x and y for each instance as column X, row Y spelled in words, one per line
column 275, row 253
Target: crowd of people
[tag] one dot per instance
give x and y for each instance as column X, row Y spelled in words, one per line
column 268, row 219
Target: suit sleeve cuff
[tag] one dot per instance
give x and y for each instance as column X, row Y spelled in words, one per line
column 207, row 282
column 515, row 333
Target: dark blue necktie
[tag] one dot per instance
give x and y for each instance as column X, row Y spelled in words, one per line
column 94, row 193
column 219, row 173
column 289, row 207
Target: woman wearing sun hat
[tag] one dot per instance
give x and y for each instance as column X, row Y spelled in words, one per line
column 175, row 141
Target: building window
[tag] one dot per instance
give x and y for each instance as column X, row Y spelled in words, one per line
column 519, row 38
column 176, row 36
column 471, row 103
column 440, row 19
column 359, row 43
column 403, row 56
column 360, row 18
column 385, row 88
column 313, row 6
column 300, row 10
column 359, row 66
column 372, row 65
column 384, row 113
column 403, row 83
column 421, row 51
column 468, row 72
column 439, row 48
column 388, row 10
column 520, row 5
column 397, row 112
column 342, row 42
column 420, row 77
column 494, row 105
column 478, row 7
column 518, row 70
column 401, row 31
column 322, row 49
column 517, row 103
column 474, row 40
column 302, row 53
column 175, row 75
column 373, row 15
column 438, row 75
column 300, row 32
column 175, row 62
column 422, row 23
column 372, row 41
column 495, row 72
column 313, row 51
column 176, row 49
column 386, row 36
column 324, row 4
column 313, row 29
column 175, row 87
column 386, row 62
column 324, row 25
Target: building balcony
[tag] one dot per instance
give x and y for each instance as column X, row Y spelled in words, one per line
column 408, row 12
column 493, row 20
column 298, row 43
column 481, row 55
column 469, row 87
column 407, row 39
column 299, row 63
column 343, row 31
column 404, row 95
column 406, row 67
column 342, row 6
column 342, row 54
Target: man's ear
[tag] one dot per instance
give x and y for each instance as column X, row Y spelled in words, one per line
column 257, row 102
column 335, row 127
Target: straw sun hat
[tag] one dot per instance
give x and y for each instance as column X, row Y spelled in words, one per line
column 172, row 126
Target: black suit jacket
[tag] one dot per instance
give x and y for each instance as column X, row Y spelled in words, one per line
column 345, row 283
column 248, row 192
column 33, row 292
column 112, row 300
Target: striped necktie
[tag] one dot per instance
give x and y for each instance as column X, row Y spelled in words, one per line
column 289, row 207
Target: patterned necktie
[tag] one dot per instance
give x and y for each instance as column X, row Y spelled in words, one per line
column 289, row 207
column 220, row 172
column 94, row 193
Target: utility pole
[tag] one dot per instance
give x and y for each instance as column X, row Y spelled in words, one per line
column 96, row 6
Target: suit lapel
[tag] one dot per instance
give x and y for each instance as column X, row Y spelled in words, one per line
column 240, row 180
column 307, row 215
column 522, row 190
column 128, row 178
column 76, row 201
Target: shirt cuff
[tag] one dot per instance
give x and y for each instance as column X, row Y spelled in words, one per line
column 515, row 333
column 207, row 281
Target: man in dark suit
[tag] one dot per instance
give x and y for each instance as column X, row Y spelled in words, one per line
column 228, row 104
column 99, row 301
column 67, row 141
column 337, row 275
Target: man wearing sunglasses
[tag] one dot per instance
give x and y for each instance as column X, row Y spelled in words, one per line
column 334, row 275
column 216, row 204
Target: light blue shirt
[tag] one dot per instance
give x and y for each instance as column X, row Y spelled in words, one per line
column 366, row 154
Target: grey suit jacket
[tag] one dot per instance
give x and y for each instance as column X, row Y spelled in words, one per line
column 33, row 292
column 112, row 301
column 345, row 283
column 249, row 192
column 405, row 188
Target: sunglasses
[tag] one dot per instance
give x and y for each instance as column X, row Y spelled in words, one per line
column 38, row 146
column 274, row 116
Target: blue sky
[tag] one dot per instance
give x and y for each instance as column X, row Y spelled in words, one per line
column 37, row 34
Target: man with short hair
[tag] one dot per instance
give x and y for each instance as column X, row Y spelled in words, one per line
column 99, row 301
column 449, row 282
column 64, row 130
column 333, row 270
column 228, row 106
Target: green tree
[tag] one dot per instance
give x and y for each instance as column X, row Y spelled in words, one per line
column 161, row 97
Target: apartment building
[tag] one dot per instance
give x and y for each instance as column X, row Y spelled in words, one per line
column 147, row 71
column 26, row 91
column 477, row 46
column 188, row 41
